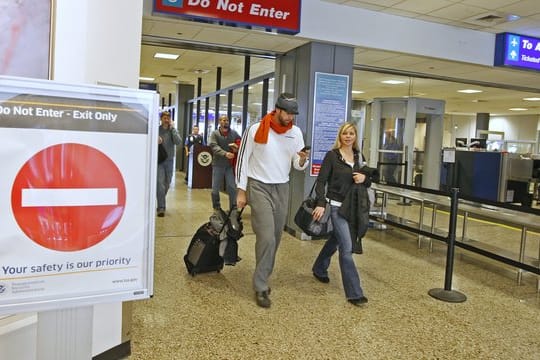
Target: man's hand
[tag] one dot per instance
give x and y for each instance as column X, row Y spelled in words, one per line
column 304, row 155
column 241, row 199
column 234, row 147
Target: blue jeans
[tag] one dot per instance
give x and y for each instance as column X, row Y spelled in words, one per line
column 218, row 174
column 340, row 239
column 164, row 176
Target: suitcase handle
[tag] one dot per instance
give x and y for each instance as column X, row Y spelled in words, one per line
column 229, row 218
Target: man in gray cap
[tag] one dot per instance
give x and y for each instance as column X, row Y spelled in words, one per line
column 267, row 151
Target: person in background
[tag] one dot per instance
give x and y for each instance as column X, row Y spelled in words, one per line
column 267, row 150
column 223, row 142
column 169, row 138
column 339, row 171
column 392, row 158
column 192, row 139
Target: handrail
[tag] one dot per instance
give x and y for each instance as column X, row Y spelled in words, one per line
column 526, row 220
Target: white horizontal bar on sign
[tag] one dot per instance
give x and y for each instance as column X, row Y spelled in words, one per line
column 69, row 197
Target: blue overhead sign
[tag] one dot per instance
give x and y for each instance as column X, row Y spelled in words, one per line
column 517, row 51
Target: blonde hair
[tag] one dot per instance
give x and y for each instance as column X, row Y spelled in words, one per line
column 344, row 127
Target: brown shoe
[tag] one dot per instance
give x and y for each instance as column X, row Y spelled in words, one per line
column 262, row 299
column 360, row 301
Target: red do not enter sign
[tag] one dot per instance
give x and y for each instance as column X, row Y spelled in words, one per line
column 68, row 197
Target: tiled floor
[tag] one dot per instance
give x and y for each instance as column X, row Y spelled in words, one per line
column 214, row 316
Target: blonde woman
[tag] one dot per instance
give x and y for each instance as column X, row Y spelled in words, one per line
column 340, row 170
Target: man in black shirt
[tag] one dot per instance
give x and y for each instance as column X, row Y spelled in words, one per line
column 192, row 139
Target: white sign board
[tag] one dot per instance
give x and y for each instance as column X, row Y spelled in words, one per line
column 77, row 194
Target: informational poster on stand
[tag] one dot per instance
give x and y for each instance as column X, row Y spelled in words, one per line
column 329, row 112
column 77, row 194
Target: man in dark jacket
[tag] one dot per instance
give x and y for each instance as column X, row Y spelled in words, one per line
column 224, row 143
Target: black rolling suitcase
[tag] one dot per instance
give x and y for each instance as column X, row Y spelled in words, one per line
column 203, row 251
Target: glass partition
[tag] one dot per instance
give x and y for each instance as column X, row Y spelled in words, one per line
column 212, row 118
column 236, row 111
column 255, row 104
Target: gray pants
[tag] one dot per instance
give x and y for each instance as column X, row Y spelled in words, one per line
column 269, row 204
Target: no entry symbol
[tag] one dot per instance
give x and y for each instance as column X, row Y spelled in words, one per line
column 68, row 197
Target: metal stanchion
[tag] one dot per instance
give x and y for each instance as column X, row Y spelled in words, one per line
column 447, row 294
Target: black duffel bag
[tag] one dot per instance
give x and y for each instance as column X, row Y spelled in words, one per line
column 304, row 218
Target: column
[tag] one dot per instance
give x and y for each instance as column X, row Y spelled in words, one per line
column 482, row 123
column 295, row 73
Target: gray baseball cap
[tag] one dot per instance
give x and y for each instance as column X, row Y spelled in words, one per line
column 287, row 102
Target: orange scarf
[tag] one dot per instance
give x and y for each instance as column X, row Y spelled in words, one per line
column 267, row 122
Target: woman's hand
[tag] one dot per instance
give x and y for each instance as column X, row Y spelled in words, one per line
column 358, row 177
column 318, row 213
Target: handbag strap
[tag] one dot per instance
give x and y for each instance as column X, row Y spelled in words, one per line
column 312, row 188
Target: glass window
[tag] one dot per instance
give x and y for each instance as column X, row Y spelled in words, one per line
column 236, row 113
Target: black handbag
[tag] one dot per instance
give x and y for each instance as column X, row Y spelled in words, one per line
column 162, row 153
column 304, row 218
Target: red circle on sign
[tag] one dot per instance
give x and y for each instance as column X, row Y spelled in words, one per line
column 79, row 172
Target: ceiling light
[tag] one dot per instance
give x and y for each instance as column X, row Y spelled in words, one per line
column 393, row 82
column 166, row 56
column 469, row 91
column 201, row 71
column 513, row 17
column 358, row 92
column 532, row 99
column 145, row 78
column 518, row 109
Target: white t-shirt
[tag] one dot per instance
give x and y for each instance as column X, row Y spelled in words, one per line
column 269, row 163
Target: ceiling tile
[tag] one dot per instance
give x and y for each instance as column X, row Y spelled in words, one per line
column 457, row 12
column 398, row 12
column 219, row 36
column 365, row 6
column 464, row 25
column 434, row 19
column 422, row 6
column 519, row 26
column 385, row 3
column 400, row 62
column 489, row 4
column 276, row 43
column 523, row 8
column 369, row 57
column 171, row 28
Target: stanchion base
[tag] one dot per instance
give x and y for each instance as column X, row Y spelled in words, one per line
column 447, row 295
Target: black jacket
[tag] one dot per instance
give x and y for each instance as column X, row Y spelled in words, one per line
column 336, row 176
